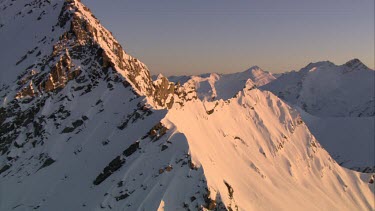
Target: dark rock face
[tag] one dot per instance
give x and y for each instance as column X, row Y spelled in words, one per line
column 157, row 131
column 131, row 149
column 75, row 124
column 141, row 113
column 116, row 163
column 10, row 130
column 162, row 91
column 113, row 166
column 4, row 168
column 121, row 197
column 49, row 161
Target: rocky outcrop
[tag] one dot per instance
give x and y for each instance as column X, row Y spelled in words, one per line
column 164, row 91
column 62, row 72
column 116, row 163
column 27, row 91
column 355, row 64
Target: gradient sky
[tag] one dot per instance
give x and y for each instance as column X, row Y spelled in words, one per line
column 177, row 37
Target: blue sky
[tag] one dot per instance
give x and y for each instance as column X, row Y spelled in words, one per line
column 197, row 36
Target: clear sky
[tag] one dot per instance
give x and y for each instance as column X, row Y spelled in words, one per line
column 177, row 37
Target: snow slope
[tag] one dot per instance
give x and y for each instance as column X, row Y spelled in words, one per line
column 257, row 154
column 222, row 86
column 336, row 95
column 350, row 140
column 83, row 127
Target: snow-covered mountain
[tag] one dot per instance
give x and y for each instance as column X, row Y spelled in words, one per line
column 49, row 43
column 213, row 86
column 257, row 154
column 337, row 103
column 83, row 127
column 349, row 138
column 327, row 90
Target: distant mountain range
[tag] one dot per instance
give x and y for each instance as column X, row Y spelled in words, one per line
column 321, row 89
column 84, row 127
column 213, row 86
column 328, row 90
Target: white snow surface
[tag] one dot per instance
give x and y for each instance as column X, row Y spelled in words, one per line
column 339, row 100
column 257, row 144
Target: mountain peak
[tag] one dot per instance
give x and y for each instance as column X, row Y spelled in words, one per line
column 255, row 67
column 75, row 47
column 159, row 76
column 355, row 64
column 319, row 64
